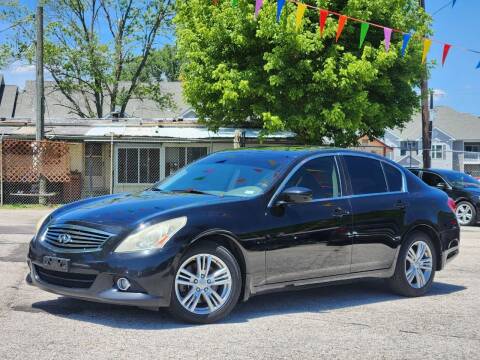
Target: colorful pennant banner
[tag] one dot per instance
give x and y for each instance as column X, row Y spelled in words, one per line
column 363, row 33
column 446, row 49
column 258, row 6
column 323, row 19
column 387, row 32
column 280, row 4
column 426, row 48
column 299, row 16
column 406, row 39
column 364, row 28
column 341, row 23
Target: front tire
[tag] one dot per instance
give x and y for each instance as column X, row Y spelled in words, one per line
column 416, row 264
column 466, row 213
column 207, row 284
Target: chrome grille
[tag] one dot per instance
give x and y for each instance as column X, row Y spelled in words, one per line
column 75, row 238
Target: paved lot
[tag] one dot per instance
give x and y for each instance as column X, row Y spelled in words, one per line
column 360, row 320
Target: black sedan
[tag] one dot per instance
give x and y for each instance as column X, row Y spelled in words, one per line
column 239, row 223
column 462, row 188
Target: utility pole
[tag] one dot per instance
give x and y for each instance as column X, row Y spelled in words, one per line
column 40, row 105
column 426, row 141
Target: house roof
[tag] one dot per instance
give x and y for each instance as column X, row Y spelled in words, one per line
column 56, row 104
column 460, row 126
column 7, row 101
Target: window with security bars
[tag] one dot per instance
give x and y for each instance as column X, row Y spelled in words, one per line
column 138, row 165
column 93, row 159
column 178, row 157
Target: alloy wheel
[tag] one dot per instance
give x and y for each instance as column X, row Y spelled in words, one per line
column 418, row 264
column 464, row 213
column 203, row 284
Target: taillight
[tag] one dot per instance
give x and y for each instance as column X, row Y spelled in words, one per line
column 452, row 205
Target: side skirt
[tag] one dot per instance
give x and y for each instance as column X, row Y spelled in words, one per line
column 385, row 273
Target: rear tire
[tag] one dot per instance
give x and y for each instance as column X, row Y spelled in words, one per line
column 415, row 268
column 206, row 285
column 466, row 213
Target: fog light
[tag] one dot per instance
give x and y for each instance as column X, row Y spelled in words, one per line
column 123, row 284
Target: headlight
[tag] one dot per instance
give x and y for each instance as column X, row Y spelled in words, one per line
column 152, row 237
column 40, row 223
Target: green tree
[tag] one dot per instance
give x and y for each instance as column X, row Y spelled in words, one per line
column 245, row 72
column 89, row 44
column 163, row 64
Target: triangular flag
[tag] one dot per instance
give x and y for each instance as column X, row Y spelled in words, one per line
column 387, row 32
column 341, row 23
column 446, row 49
column 234, row 3
column 323, row 19
column 426, row 48
column 363, row 33
column 258, row 6
column 280, row 4
column 406, row 39
column 299, row 16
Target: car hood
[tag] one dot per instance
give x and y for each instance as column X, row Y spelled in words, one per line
column 127, row 209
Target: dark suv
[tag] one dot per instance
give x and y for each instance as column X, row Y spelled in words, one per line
column 462, row 188
column 240, row 223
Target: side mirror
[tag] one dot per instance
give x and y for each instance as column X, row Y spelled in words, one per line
column 295, row 195
column 441, row 186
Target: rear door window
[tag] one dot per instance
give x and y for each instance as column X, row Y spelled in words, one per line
column 366, row 175
column 432, row 179
column 394, row 177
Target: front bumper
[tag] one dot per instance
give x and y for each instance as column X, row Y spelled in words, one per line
column 150, row 275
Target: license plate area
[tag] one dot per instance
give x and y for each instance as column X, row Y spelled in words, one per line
column 56, row 263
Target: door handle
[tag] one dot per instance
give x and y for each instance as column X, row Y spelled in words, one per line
column 339, row 212
column 401, row 204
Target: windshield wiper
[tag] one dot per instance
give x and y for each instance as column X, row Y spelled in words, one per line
column 191, row 191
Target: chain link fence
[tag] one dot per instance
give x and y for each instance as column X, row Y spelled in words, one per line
column 56, row 172
column 52, row 172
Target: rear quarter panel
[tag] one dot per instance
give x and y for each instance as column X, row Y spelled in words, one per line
column 429, row 208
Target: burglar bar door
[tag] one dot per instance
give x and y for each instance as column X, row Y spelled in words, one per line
column 94, row 166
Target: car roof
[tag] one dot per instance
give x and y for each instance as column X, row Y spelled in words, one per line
column 301, row 152
column 440, row 171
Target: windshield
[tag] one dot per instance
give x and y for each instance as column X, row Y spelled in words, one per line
column 463, row 180
column 240, row 173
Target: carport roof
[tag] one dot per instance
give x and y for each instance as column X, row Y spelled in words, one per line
column 95, row 129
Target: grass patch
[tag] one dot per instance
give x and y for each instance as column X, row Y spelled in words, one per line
column 27, row 206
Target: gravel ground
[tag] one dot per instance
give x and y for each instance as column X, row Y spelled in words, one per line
column 361, row 320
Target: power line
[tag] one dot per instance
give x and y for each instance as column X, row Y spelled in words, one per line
column 442, row 7
column 18, row 22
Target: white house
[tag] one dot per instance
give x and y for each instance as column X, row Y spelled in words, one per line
column 455, row 141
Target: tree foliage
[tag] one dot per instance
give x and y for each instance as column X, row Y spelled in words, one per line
column 163, row 64
column 91, row 44
column 242, row 71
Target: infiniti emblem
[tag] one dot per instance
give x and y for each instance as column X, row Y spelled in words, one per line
column 64, row 238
